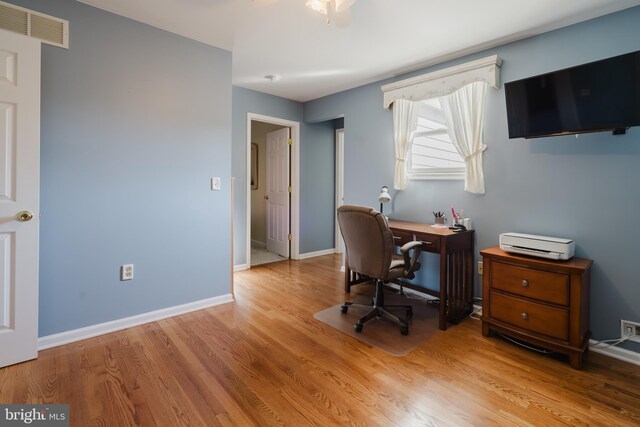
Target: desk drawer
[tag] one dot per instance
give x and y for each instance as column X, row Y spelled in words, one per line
column 401, row 237
column 550, row 321
column 430, row 242
column 537, row 284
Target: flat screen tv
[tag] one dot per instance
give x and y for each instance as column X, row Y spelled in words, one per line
column 599, row 96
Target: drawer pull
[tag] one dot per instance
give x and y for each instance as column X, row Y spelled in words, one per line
column 524, row 315
column 525, row 283
column 397, row 237
column 425, row 243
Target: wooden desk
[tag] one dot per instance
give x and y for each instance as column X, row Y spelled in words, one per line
column 456, row 266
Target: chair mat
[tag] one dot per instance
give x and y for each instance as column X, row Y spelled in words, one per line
column 382, row 333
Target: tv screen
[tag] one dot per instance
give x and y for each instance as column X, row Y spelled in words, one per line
column 599, row 96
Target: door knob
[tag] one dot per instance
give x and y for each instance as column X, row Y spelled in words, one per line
column 24, row 216
column 266, row 197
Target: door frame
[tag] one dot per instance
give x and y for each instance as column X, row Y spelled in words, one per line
column 339, row 190
column 294, row 172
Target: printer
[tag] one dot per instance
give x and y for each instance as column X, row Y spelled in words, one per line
column 540, row 246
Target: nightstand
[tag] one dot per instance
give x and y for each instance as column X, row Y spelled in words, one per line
column 539, row 301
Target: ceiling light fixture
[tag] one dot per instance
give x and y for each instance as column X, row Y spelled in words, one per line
column 327, row 7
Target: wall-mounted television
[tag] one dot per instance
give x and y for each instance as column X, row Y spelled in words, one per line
column 594, row 97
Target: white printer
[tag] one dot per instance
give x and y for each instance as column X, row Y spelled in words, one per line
column 540, row 246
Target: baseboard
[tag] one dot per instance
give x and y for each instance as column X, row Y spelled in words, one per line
column 317, row 253
column 258, row 244
column 241, row 267
column 128, row 322
column 616, row 352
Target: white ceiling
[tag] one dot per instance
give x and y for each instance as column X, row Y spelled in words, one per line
column 385, row 37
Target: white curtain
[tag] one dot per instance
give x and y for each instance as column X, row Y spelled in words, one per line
column 404, row 123
column 464, row 113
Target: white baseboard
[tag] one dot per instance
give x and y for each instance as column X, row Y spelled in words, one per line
column 317, row 253
column 128, row 322
column 258, row 244
column 241, row 267
column 616, row 352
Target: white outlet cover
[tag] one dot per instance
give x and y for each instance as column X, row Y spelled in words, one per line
column 126, row 272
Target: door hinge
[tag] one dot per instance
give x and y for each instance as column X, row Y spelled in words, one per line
column 290, row 189
column 290, row 237
column 290, row 142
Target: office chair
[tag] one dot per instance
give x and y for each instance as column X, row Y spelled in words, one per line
column 370, row 252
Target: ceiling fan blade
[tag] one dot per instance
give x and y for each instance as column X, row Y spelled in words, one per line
column 343, row 5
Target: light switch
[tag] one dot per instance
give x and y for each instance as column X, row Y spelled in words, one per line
column 215, row 184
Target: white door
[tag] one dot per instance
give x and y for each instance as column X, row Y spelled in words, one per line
column 278, row 192
column 19, row 191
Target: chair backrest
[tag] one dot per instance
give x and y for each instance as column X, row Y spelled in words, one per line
column 367, row 239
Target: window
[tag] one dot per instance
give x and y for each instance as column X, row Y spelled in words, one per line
column 433, row 156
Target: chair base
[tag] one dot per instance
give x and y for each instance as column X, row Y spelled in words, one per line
column 379, row 310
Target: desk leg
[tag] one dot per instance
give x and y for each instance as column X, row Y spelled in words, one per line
column 443, row 292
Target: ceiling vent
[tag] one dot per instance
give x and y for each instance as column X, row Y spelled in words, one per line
column 50, row 30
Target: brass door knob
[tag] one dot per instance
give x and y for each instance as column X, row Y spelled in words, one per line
column 25, row 216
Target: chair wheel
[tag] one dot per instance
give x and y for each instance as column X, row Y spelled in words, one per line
column 344, row 309
column 358, row 327
column 404, row 330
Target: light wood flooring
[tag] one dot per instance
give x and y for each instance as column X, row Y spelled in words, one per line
column 264, row 360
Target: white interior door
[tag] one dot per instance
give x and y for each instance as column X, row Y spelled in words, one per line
column 278, row 192
column 19, row 191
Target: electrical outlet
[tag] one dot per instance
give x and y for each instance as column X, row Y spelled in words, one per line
column 126, row 272
column 480, row 268
column 630, row 329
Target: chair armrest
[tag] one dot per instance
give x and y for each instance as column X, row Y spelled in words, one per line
column 411, row 263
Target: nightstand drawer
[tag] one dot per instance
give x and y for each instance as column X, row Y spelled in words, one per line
column 536, row 284
column 549, row 321
column 430, row 242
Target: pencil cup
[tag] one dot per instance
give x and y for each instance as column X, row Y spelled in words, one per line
column 439, row 220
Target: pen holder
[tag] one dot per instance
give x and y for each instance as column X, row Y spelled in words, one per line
column 439, row 219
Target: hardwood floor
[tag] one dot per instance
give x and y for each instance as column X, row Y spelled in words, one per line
column 265, row 360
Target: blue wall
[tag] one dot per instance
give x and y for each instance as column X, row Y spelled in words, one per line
column 564, row 186
column 135, row 122
column 317, row 184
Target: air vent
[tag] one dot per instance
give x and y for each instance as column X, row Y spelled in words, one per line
column 50, row 30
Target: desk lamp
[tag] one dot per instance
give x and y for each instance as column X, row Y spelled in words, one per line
column 384, row 197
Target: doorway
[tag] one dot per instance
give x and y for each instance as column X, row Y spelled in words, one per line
column 272, row 190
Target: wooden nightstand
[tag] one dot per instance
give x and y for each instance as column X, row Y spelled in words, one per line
column 543, row 302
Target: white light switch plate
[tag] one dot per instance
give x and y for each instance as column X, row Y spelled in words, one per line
column 215, row 184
